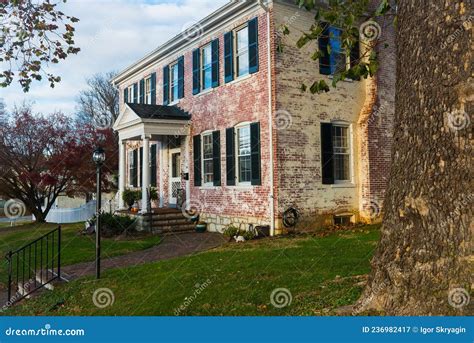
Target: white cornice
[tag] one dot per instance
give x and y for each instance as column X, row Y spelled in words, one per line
column 209, row 24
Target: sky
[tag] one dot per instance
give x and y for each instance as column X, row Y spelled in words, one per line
column 112, row 35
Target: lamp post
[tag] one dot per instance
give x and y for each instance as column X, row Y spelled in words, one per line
column 99, row 157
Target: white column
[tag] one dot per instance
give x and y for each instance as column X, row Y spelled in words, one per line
column 161, row 173
column 122, row 172
column 146, row 172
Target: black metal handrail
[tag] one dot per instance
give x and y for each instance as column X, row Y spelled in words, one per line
column 34, row 265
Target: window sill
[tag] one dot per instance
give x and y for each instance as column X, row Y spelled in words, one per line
column 345, row 80
column 176, row 102
column 204, row 92
column 343, row 185
column 239, row 79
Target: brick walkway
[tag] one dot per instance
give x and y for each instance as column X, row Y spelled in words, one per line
column 171, row 246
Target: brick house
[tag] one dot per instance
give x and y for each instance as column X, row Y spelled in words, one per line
column 218, row 118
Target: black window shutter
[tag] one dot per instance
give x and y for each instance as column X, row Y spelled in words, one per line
column 230, row 156
column 229, row 56
column 355, row 56
column 181, row 77
column 153, row 88
column 134, row 173
column 141, row 166
column 142, row 91
column 153, row 170
column 197, row 160
column 253, row 45
column 216, row 158
column 327, row 163
column 215, row 62
column 196, row 71
column 135, row 93
column 166, row 85
column 324, row 60
column 125, row 95
column 255, row 153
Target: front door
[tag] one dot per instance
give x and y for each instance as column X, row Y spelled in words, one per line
column 175, row 175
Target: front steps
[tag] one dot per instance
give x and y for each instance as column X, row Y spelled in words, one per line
column 165, row 221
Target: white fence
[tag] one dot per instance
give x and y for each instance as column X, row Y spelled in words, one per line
column 71, row 215
column 79, row 214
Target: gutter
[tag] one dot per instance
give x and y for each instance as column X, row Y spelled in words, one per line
column 271, row 199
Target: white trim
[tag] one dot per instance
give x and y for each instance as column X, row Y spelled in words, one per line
column 171, row 152
column 348, row 125
column 206, row 133
column 237, row 145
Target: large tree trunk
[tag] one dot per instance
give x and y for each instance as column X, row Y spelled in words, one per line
column 421, row 266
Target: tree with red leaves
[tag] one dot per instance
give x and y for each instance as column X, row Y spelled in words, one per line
column 42, row 157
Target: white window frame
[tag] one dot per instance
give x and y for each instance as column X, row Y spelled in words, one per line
column 237, row 154
column 350, row 147
column 147, row 95
column 238, row 54
column 204, row 183
column 205, row 67
column 172, row 84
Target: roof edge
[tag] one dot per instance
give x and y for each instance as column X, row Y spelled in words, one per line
column 207, row 23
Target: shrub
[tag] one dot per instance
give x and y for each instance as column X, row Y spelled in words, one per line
column 232, row 231
column 112, row 225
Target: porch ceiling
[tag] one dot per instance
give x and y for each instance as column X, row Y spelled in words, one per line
column 137, row 121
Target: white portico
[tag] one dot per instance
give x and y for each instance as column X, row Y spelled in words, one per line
column 168, row 128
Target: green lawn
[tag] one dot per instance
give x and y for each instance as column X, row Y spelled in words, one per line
column 237, row 279
column 75, row 248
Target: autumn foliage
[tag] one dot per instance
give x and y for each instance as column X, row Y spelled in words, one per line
column 42, row 157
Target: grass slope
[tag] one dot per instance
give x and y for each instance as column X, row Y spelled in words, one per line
column 237, row 279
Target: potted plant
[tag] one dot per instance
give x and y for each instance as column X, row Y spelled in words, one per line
column 201, row 227
column 129, row 197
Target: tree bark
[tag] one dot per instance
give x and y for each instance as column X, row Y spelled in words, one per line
column 422, row 262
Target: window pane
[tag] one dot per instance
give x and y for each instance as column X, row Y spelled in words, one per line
column 208, row 171
column 176, row 165
column 341, row 167
column 244, row 169
column 244, row 141
column 242, row 39
column 207, row 146
column 206, row 56
column 174, row 82
column 244, row 151
column 207, row 78
column 242, row 52
column 243, row 64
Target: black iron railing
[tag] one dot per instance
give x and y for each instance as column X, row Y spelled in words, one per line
column 34, row 265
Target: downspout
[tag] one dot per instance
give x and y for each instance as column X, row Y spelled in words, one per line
column 270, row 124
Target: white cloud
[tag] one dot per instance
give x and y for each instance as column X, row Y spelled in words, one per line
column 112, row 34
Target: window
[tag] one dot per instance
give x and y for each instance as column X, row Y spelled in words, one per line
column 206, row 53
column 148, row 91
column 242, row 51
column 342, row 154
column 133, row 168
column 244, row 163
column 174, row 78
column 338, row 58
column 207, row 159
column 334, row 58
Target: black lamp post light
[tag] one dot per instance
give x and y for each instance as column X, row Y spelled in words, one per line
column 99, row 158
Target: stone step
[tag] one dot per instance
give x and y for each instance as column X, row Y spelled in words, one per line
column 173, row 229
column 164, row 216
